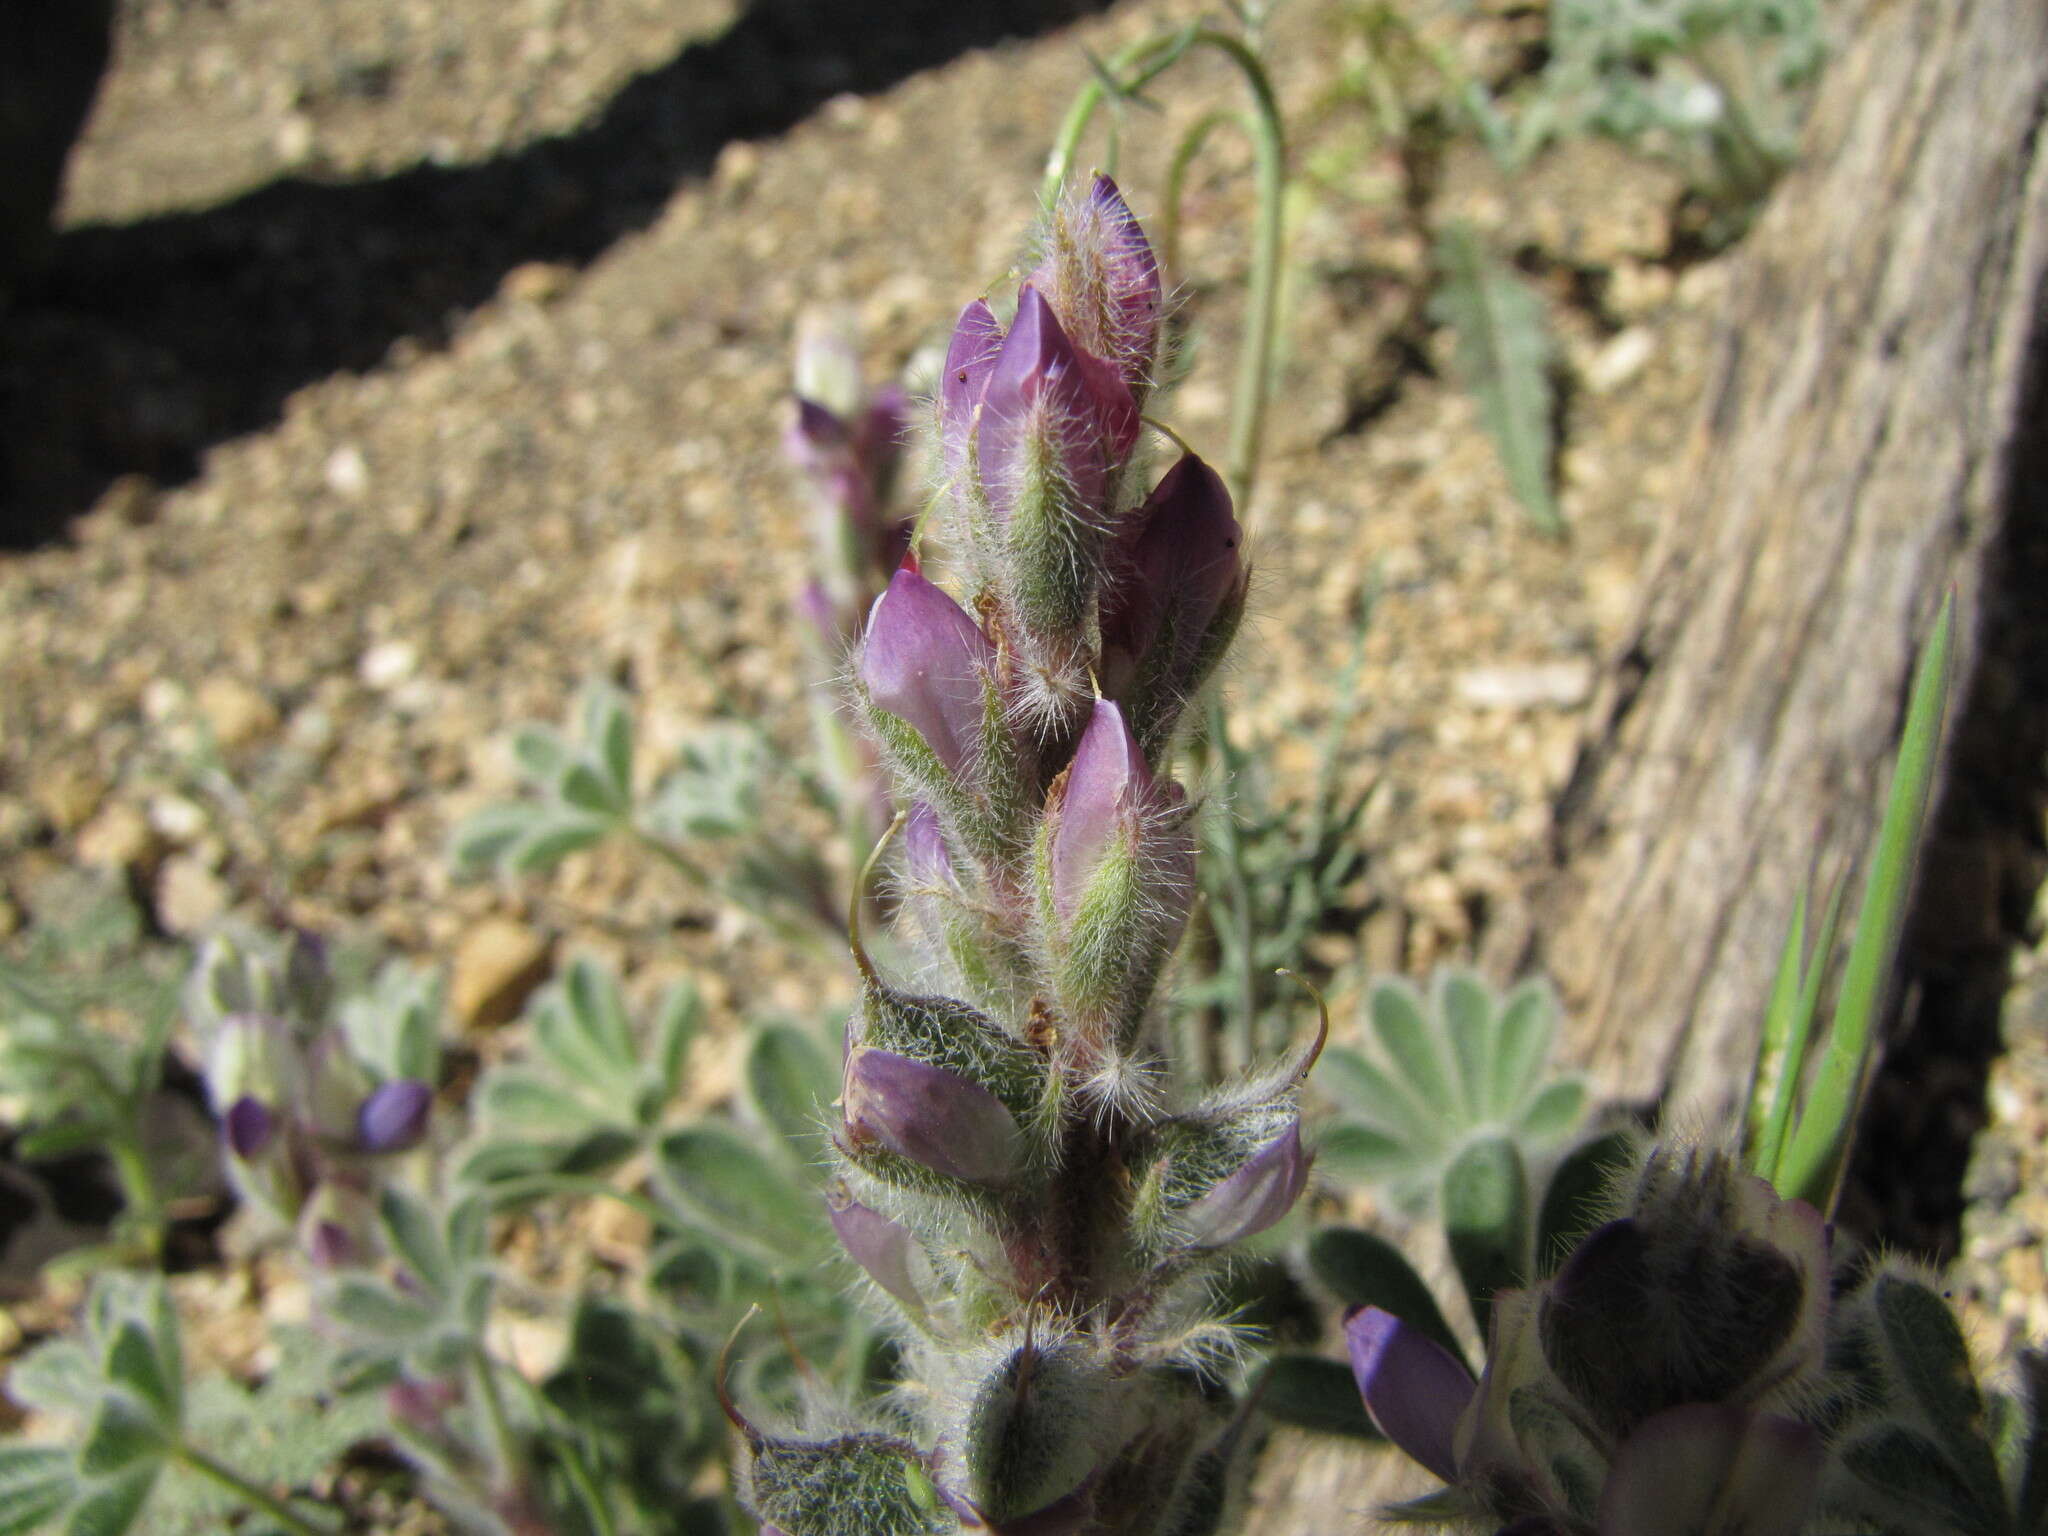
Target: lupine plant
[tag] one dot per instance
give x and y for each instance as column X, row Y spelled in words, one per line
column 1039, row 1217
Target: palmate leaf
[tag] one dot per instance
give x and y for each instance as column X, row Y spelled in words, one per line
column 1504, row 355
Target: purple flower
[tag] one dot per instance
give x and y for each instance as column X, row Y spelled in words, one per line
column 886, row 1249
column 931, row 1116
column 1713, row 1468
column 394, row 1117
column 1103, row 280
column 1250, row 1200
column 1414, row 1388
column 248, row 1127
column 923, row 661
column 1111, row 804
column 1181, row 571
column 1054, row 420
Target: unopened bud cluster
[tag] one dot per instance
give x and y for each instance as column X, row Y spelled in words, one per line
column 1696, row 1367
column 1011, row 1173
column 305, row 1113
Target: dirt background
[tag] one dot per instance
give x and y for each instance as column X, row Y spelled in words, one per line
column 408, row 362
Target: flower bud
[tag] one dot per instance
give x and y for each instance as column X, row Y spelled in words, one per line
column 1056, row 425
column 930, row 1116
column 248, row 1128
column 1033, row 1433
column 924, row 663
column 1100, row 275
column 1414, row 1388
column 394, row 1116
column 1174, row 600
column 970, row 358
column 827, row 361
column 337, row 1226
column 887, row 1250
column 1116, row 873
column 852, row 1485
column 1259, row 1193
column 252, row 1056
column 1208, row 1180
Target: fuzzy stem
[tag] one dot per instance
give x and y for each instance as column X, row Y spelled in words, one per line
column 250, row 1493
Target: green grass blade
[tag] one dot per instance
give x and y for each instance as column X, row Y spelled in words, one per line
column 1799, row 1030
column 1812, row 1165
column 1772, row 1074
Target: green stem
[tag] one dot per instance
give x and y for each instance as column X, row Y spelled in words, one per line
column 504, row 1445
column 1148, row 59
column 248, row 1492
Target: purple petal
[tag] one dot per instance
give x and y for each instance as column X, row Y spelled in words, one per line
column 1414, row 1388
column 1046, row 398
column 970, row 358
column 394, row 1117
column 1108, row 790
column 882, row 1247
column 1712, row 1467
column 931, row 1116
column 927, row 862
column 1258, row 1194
column 923, row 662
column 1181, row 564
column 248, row 1127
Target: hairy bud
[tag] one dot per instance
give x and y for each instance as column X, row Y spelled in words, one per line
column 924, row 664
column 1099, row 273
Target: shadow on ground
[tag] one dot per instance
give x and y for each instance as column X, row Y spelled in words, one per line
column 151, row 341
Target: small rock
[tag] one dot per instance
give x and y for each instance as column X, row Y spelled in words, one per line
column 1545, row 685
column 388, row 663
column 1621, row 361
column 68, row 796
column 498, row 965
column 293, row 140
column 237, row 713
column 10, row 918
column 189, row 897
column 119, row 838
column 181, row 821
column 347, row 472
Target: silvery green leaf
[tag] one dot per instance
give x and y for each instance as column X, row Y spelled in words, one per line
column 714, row 1177
column 599, row 1007
column 789, row 1080
column 1523, row 1033
column 542, row 753
column 675, row 1027
column 58, row 1377
column 376, row 1313
column 522, row 1103
column 1312, row 1393
column 416, row 1238
column 1486, row 1219
column 123, row 1435
column 1554, row 1111
column 1363, row 1269
column 1916, row 1487
column 111, row 1508
column 137, row 1362
column 1504, row 357
column 1930, row 1364
column 552, row 837
column 716, row 790
column 1465, row 1004
column 394, row 1025
column 487, row 835
column 35, row 1482
column 1363, row 1152
column 584, row 787
column 1373, row 1095
column 608, row 733
column 1403, row 1028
